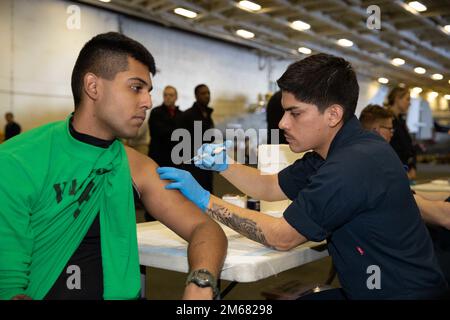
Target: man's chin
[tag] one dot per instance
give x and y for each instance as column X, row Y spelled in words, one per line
column 128, row 135
column 296, row 149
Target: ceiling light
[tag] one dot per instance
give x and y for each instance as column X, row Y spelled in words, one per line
column 304, row 50
column 383, row 80
column 447, row 96
column 432, row 95
column 397, row 61
column 416, row 5
column 245, row 34
column 447, row 28
column 300, row 25
column 416, row 90
column 185, row 13
column 105, row 0
column 419, row 70
column 248, row 5
column 437, row 76
column 344, row 42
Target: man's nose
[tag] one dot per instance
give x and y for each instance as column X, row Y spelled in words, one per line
column 147, row 102
column 283, row 125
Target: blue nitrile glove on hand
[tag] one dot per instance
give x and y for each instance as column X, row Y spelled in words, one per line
column 210, row 161
column 188, row 186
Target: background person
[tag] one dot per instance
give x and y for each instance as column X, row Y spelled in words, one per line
column 199, row 112
column 164, row 119
column 12, row 128
column 398, row 101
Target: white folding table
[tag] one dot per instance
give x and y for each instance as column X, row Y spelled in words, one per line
column 246, row 260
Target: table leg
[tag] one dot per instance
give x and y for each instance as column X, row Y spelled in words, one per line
column 143, row 280
column 227, row 289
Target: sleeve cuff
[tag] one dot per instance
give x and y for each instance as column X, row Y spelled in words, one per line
column 297, row 217
column 283, row 182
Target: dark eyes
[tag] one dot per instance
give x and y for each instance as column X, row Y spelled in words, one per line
column 136, row 88
column 295, row 114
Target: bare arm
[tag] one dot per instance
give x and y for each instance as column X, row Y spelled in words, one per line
column 253, row 183
column 433, row 211
column 433, row 195
column 207, row 241
column 272, row 232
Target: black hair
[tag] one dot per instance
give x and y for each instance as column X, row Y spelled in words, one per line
column 105, row 55
column 197, row 88
column 322, row 80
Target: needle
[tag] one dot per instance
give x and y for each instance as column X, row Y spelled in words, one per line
column 215, row 151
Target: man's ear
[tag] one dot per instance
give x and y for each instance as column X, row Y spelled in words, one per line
column 335, row 115
column 91, row 85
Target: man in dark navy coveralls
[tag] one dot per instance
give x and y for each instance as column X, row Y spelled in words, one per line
column 351, row 190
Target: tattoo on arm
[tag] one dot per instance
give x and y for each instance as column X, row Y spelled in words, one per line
column 244, row 226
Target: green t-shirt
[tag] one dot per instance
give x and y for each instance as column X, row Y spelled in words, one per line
column 51, row 188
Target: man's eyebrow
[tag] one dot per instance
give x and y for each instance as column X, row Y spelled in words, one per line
column 139, row 79
column 291, row 108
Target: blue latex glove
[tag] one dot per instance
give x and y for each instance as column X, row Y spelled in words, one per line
column 216, row 162
column 188, row 186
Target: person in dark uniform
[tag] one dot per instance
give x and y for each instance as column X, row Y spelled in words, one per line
column 12, row 128
column 164, row 119
column 398, row 102
column 350, row 190
column 274, row 113
column 199, row 114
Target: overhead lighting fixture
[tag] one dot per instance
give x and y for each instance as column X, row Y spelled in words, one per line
column 447, row 28
column 398, row 61
column 447, row 96
column 245, row 34
column 383, row 80
column 300, row 25
column 185, row 13
column 416, row 91
column 416, row 5
column 432, row 95
column 437, row 76
column 105, row 0
column 420, row 70
column 304, row 50
column 344, row 42
column 248, row 5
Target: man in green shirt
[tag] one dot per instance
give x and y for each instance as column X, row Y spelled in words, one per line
column 66, row 190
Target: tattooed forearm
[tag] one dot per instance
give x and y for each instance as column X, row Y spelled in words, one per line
column 244, row 226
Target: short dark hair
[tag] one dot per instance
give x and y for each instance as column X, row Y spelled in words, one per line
column 322, row 79
column 105, row 55
column 373, row 113
column 197, row 88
